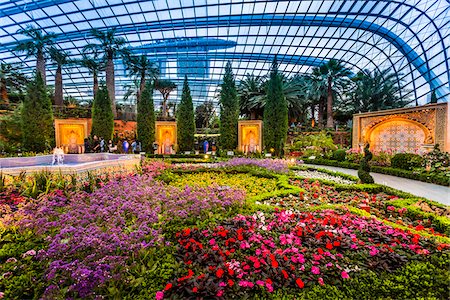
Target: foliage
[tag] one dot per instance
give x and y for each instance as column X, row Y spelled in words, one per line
column 364, row 168
column 204, row 114
column 229, row 111
column 165, row 87
column 102, row 115
column 316, row 144
column 376, row 90
column 11, row 131
column 146, row 119
column 406, row 161
column 275, row 165
column 275, row 114
column 12, row 80
column 37, row 117
column 185, row 120
column 141, row 68
column 339, row 155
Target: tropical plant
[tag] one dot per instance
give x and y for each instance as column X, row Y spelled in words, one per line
column 185, row 119
column 229, row 110
column 146, row 118
column 141, row 67
column 11, row 130
column 376, row 90
column 275, row 113
column 37, row 46
column 61, row 58
column 250, row 91
column 335, row 76
column 94, row 65
column 203, row 114
column 112, row 47
column 102, row 115
column 165, row 87
column 37, row 117
column 11, row 79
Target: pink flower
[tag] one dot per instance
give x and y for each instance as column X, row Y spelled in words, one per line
column 245, row 283
column 219, row 293
column 159, row 295
column 269, row 287
column 315, row 270
column 345, row 275
column 260, row 282
column 212, row 242
column 222, row 284
column 321, row 281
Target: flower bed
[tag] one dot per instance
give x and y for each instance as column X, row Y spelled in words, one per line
column 184, row 231
column 261, row 253
column 251, row 184
column 323, row 176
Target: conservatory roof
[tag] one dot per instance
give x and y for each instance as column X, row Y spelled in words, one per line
column 198, row 37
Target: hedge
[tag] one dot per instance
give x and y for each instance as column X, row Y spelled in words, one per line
column 424, row 177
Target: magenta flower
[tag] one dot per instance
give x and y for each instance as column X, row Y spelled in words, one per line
column 345, row 275
column 315, row 270
column 159, row 295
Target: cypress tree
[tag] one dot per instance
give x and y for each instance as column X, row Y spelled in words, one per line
column 229, row 111
column 146, row 119
column 433, row 97
column 275, row 113
column 185, row 119
column 102, row 115
column 37, row 117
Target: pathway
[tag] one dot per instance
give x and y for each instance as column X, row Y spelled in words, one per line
column 430, row 191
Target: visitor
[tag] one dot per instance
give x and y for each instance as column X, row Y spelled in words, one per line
column 125, row 146
column 102, row 144
column 87, row 146
column 133, row 146
column 205, row 146
column 111, row 147
column 138, row 147
column 155, row 147
column 96, row 145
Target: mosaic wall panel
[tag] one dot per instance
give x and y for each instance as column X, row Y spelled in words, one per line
column 397, row 136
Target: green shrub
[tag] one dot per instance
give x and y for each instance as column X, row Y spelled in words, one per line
column 406, row 161
column 185, row 120
column 339, row 155
column 364, row 167
column 229, row 111
column 146, row 119
column 102, row 115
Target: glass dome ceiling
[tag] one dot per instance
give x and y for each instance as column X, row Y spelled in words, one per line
column 197, row 37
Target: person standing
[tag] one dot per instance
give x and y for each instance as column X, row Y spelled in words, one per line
column 102, row 144
column 125, row 146
column 133, row 146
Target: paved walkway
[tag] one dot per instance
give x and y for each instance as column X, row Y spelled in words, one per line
column 430, row 191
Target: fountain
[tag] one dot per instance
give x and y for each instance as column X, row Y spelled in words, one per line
column 58, row 156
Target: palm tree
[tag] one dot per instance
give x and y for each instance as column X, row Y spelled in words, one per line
column 165, row 87
column 376, row 90
column 142, row 67
column 61, row 58
column 252, row 95
column 38, row 45
column 203, row 114
column 10, row 79
column 336, row 77
column 94, row 65
column 112, row 47
column 249, row 91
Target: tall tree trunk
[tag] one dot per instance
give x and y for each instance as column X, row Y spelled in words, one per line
column 320, row 112
column 40, row 65
column 165, row 96
column 252, row 115
column 329, row 104
column 110, row 85
column 4, row 91
column 59, row 101
column 95, row 83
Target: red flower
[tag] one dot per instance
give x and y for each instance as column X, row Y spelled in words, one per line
column 329, row 246
column 285, row 274
column 168, row 287
column 230, row 282
column 195, row 289
column 186, row 231
column 336, row 243
column 219, row 273
column 320, row 251
column 300, row 283
column 269, row 281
